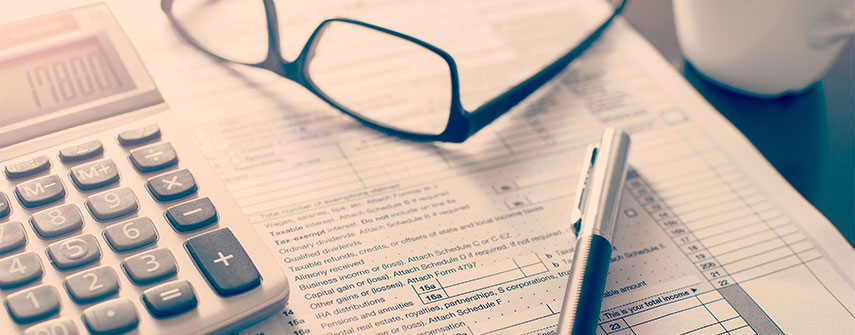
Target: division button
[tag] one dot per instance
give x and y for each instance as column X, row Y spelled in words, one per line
column 192, row 215
column 57, row 221
column 74, row 252
column 61, row 326
column 130, row 235
column 150, row 267
column 171, row 186
column 112, row 204
column 81, row 151
column 19, row 269
column 170, row 299
column 154, row 157
column 223, row 261
column 40, row 191
column 95, row 175
column 33, row 304
column 27, row 167
column 12, row 236
column 139, row 135
column 5, row 206
column 111, row 317
column 92, row 285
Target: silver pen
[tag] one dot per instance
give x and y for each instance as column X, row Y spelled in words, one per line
column 596, row 206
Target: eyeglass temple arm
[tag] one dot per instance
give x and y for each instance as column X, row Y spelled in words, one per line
column 494, row 108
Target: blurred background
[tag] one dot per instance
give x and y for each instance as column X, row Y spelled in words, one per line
column 808, row 137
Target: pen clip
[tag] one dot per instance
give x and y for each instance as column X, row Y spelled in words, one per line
column 582, row 189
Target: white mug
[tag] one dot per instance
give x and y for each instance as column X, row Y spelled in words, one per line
column 763, row 47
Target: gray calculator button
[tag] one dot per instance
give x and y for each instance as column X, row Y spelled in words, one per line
column 111, row 317
column 192, row 215
column 130, row 235
column 223, row 262
column 27, row 167
column 154, row 157
column 150, row 267
column 12, row 236
column 53, row 327
column 112, row 204
column 34, row 304
column 95, row 175
column 74, row 252
column 19, row 269
column 170, row 299
column 40, row 191
column 5, row 206
column 57, row 221
column 81, row 151
column 92, row 285
column 171, row 186
column 139, row 135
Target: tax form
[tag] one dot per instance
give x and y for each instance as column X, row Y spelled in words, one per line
column 382, row 236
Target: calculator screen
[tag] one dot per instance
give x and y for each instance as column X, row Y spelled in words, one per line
column 60, row 77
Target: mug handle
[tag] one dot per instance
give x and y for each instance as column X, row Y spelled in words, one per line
column 837, row 26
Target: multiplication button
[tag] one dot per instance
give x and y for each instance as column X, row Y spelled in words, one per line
column 192, row 215
column 172, row 186
column 40, row 191
column 223, row 262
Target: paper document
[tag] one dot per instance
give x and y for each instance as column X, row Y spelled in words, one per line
column 383, row 236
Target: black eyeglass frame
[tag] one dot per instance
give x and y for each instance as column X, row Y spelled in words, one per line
column 461, row 123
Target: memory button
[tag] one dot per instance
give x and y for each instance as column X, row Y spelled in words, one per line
column 40, row 191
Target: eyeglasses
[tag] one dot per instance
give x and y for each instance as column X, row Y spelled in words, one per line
column 407, row 87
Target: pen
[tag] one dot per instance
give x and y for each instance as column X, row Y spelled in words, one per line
column 596, row 205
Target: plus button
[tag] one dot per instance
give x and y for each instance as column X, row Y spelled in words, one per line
column 223, row 259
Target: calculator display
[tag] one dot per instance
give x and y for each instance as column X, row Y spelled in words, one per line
column 59, row 77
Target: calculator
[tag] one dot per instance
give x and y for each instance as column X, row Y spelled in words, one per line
column 111, row 221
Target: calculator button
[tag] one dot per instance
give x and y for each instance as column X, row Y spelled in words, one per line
column 130, row 235
column 57, row 221
column 92, row 285
column 74, row 252
column 154, row 157
column 40, row 191
column 12, row 236
column 112, row 204
column 171, row 186
column 192, row 215
column 33, row 304
column 223, row 262
column 19, row 270
column 53, row 327
column 5, row 206
column 81, row 151
column 111, row 317
column 27, row 167
column 170, row 298
column 150, row 267
column 139, row 135
column 95, row 175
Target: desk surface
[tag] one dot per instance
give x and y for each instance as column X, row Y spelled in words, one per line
column 808, row 138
